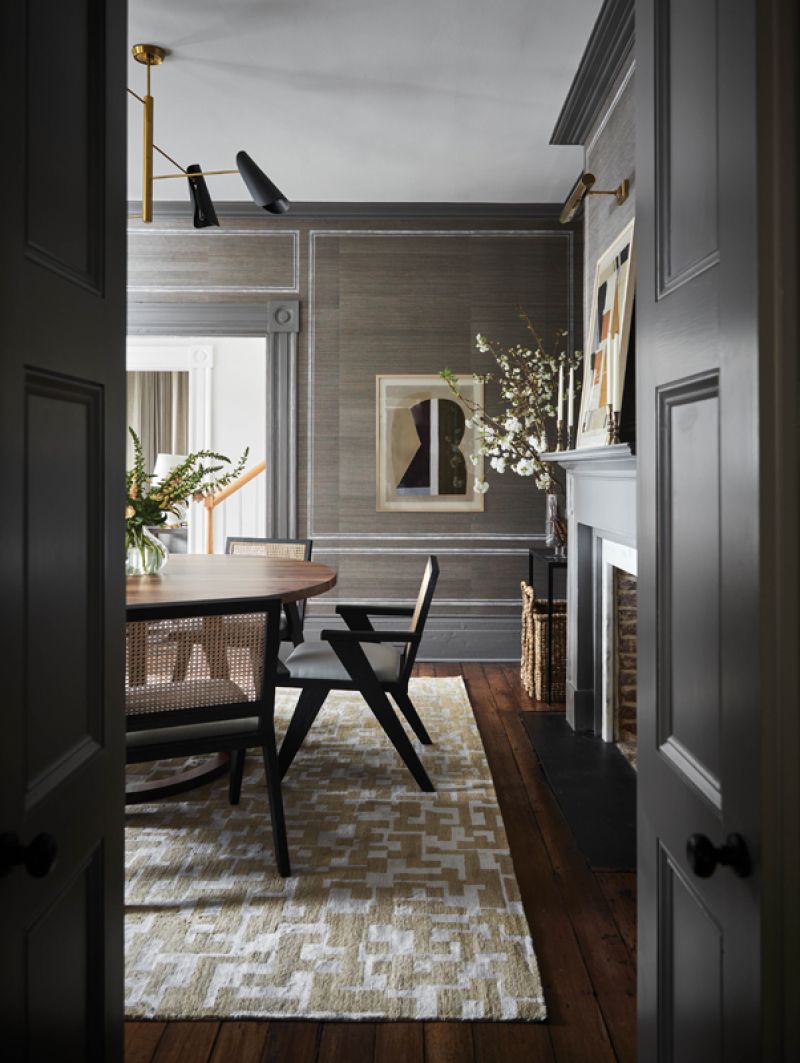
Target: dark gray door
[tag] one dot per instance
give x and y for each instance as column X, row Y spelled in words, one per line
column 697, row 308
column 62, row 320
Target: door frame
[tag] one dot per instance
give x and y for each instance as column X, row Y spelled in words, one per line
column 778, row 44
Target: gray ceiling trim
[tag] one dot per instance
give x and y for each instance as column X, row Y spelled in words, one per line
column 332, row 211
column 608, row 50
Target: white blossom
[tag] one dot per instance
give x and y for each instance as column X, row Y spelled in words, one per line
column 481, row 487
column 524, row 467
column 512, row 424
column 498, row 464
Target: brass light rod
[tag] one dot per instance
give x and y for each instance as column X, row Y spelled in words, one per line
column 583, row 188
column 205, row 173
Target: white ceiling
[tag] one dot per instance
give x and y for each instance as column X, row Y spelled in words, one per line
column 364, row 100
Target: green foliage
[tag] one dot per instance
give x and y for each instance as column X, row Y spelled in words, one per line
column 149, row 503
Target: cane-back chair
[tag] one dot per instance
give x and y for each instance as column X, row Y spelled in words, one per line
column 282, row 549
column 222, row 700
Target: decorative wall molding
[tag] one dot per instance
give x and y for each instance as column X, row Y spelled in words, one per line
column 562, row 233
column 452, row 638
column 283, row 325
column 292, row 284
column 609, row 48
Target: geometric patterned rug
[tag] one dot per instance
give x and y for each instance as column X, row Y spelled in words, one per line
column 401, row 904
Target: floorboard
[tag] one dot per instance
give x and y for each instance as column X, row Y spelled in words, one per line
column 619, row 890
column 244, row 1042
column 141, row 1040
column 347, row 1042
column 448, row 1042
column 399, row 1040
column 296, row 1041
column 583, row 925
column 187, row 1042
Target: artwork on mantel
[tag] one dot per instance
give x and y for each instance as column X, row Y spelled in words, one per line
column 608, row 341
column 423, row 445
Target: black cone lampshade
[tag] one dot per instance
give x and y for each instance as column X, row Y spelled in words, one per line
column 204, row 213
column 264, row 193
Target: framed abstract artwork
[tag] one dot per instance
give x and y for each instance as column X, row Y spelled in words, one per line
column 608, row 339
column 423, row 445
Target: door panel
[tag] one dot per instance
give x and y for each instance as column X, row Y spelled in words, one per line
column 686, row 169
column 689, row 585
column 64, row 575
column 62, row 395
column 698, row 502
column 65, row 138
column 62, row 1010
column 691, row 973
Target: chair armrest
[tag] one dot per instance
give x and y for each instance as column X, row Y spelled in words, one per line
column 338, row 634
column 357, row 616
column 378, row 610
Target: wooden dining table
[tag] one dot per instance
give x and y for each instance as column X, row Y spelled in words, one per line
column 194, row 578
column 214, row 578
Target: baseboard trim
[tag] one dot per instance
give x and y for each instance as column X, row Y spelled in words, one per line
column 480, row 639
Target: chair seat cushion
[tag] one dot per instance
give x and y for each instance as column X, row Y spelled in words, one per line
column 318, row 660
column 190, row 732
column 182, row 694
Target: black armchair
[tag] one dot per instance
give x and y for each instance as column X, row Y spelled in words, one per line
column 363, row 659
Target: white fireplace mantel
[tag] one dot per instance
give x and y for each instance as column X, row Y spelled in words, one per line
column 601, row 511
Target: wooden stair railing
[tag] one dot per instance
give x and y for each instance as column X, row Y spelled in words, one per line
column 212, row 501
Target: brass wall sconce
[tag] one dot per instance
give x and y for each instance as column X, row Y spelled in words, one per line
column 583, row 188
column 264, row 193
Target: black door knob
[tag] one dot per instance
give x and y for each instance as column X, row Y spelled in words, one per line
column 38, row 857
column 703, row 856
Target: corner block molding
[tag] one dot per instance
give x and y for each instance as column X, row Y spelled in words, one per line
column 282, row 328
column 608, row 50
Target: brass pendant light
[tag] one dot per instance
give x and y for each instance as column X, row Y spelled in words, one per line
column 264, row 193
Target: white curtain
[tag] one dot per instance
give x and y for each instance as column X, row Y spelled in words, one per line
column 158, row 411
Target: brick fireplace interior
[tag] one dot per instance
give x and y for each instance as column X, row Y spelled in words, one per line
column 625, row 663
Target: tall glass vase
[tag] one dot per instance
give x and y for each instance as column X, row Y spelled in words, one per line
column 145, row 554
column 555, row 528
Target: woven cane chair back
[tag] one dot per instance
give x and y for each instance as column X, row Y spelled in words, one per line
column 205, row 665
column 282, row 549
column 421, row 609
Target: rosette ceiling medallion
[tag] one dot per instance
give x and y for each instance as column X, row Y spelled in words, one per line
column 263, row 192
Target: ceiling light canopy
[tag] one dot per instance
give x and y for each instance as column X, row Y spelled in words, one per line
column 264, row 193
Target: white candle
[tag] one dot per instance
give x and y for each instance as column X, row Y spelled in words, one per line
column 560, row 413
column 571, row 397
column 610, row 372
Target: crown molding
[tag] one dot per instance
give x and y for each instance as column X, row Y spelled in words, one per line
column 607, row 52
column 334, row 211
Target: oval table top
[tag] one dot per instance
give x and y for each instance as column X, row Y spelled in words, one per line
column 221, row 577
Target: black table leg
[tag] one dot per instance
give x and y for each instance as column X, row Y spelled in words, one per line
column 549, row 634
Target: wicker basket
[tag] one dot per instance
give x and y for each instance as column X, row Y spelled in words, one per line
column 533, row 665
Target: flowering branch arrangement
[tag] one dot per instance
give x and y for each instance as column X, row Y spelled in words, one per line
column 527, row 378
column 148, row 504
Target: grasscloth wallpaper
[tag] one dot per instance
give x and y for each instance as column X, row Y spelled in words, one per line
column 387, row 295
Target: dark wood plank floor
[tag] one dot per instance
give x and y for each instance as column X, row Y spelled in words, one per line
column 583, row 925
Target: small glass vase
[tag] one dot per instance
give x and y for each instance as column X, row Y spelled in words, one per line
column 555, row 529
column 146, row 555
